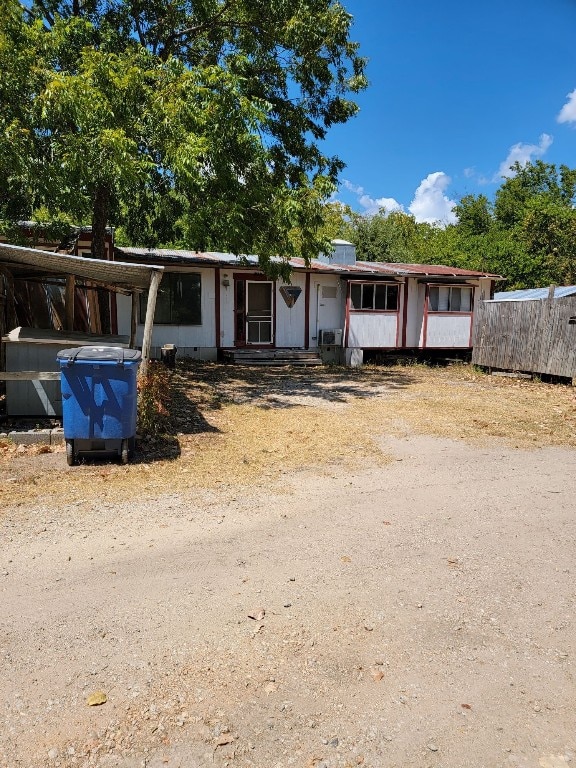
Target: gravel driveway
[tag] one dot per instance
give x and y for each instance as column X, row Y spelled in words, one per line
column 419, row 613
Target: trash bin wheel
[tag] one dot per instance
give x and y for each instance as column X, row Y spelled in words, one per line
column 70, row 458
column 125, row 453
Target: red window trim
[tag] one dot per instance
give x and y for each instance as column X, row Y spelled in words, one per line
column 452, row 312
column 354, row 311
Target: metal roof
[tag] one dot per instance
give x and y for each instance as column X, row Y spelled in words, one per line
column 215, row 258
column 27, row 262
column 534, row 294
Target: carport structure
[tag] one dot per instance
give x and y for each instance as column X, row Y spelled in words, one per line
column 25, row 263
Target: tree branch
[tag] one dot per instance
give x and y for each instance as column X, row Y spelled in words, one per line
column 198, row 28
column 47, row 15
column 139, row 31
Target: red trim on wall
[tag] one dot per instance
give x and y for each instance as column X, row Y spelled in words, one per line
column 347, row 315
column 217, row 288
column 405, row 312
column 425, row 325
column 307, row 312
column 373, row 311
column 450, row 314
column 472, row 302
column 236, row 342
column 249, row 277
column 274, row 311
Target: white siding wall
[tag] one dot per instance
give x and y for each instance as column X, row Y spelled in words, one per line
column 290, row 323
column 372, row 330
column 191, row 340
column 482, row 293
column 227, row 308
column 415, row 314
column 326, row 312
column 448, row 331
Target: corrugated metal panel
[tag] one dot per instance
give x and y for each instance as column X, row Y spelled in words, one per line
column 534, row 294
column 30, row 261
column 191, row 258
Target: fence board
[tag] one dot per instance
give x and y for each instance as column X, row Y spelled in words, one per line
column 533, row 336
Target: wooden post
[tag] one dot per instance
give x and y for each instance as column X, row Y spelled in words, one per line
column 134, row 318
column 69, row 301
column 155, row 279
column 2, row 323
column 11, row 319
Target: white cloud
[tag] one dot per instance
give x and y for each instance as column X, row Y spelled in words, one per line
column 469, row 173
column 568, row 112
column 523, row 154
column 430, row 204
column 372, row 205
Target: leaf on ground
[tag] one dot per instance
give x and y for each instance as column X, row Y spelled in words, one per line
column 96, row 698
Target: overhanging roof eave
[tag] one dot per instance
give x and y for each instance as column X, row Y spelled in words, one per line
column 19, row 260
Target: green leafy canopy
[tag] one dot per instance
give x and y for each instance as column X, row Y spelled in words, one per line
column 197, row 123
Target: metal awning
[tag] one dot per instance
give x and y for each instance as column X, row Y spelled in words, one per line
column 25, row 262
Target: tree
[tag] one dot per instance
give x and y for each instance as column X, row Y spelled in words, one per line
column 390, row 237
column 208, row 113
column 18, row 142
column 533, row 180
column 549, row 230
column 474, row 214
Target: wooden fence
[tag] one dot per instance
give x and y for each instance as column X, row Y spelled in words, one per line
column 535, row 336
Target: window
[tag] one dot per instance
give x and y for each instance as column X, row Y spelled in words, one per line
column 380, row 297
column 178, row 300
column 450, row 299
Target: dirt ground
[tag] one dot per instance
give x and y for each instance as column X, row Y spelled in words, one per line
column 322, row 569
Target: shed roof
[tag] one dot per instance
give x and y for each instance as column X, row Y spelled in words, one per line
column 28, row 262
column 534, row 294
column 360, row 268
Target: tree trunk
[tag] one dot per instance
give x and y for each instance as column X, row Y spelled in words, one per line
column 101, row 207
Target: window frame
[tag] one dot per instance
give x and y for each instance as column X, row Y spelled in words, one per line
column 170, row 276
column 372, row 284
column 451, row 312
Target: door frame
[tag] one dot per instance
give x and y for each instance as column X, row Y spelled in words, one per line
column 247, row 277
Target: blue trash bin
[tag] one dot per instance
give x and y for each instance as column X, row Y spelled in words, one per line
column 99, row 400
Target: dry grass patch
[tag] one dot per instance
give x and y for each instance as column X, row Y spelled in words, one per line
column 249, row 427
column 462, row 403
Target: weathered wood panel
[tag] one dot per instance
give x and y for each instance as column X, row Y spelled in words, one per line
column 534, row 336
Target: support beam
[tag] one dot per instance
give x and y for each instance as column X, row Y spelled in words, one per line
column 134, row 318
column 155, row 279
column 69, row 301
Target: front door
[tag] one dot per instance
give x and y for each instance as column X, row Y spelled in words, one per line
column 254, row 312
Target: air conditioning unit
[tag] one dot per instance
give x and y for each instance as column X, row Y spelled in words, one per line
column 331, row 337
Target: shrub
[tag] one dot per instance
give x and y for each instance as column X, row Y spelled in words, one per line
column 154, row 400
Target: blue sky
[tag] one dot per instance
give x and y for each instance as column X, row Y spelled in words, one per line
column 457, row 91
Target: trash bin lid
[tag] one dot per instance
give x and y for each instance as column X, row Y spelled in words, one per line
column 100, row 354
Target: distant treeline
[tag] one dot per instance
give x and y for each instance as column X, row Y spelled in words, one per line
column 527, row 235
